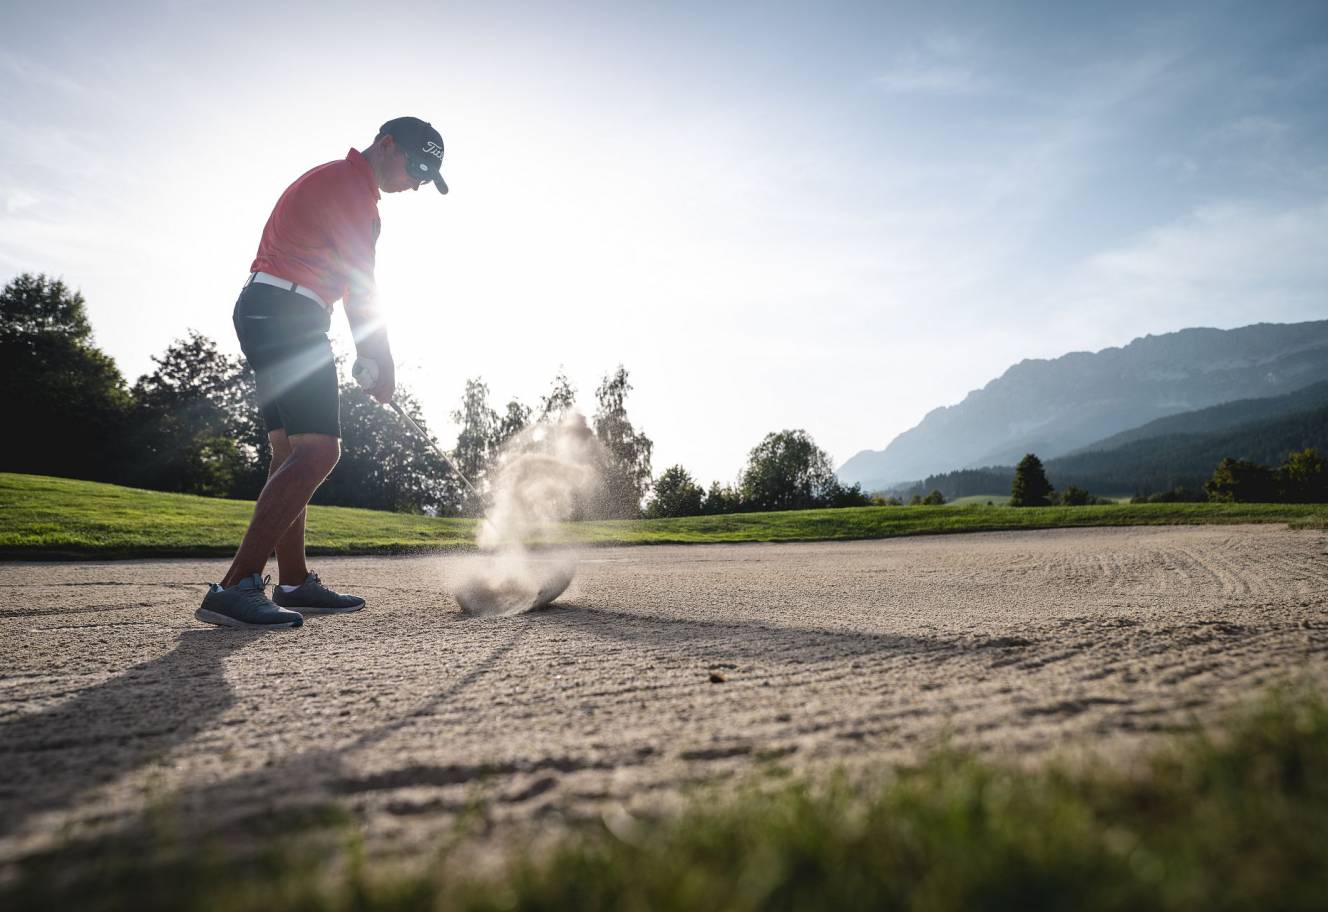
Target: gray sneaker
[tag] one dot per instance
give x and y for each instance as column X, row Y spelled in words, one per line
column 312, row 597
column 245, row 605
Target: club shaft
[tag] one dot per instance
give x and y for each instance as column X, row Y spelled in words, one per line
column 439, row 450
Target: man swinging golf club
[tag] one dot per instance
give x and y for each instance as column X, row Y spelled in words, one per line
column 317, row 247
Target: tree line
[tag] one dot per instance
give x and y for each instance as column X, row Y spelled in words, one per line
column 1301, row 478
column 192, row 425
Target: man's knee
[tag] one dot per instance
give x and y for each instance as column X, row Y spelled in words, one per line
column 321, row 451
column 281, row 449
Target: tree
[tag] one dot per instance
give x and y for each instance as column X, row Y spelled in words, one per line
column 1179, row 494
column 1030, row 487
column 479, row 429
column 932, row 499
column 786, row 471
column 33, row 306
column 836, row 495
column 513, row 422
column 625, row 475
column 1303, row 477
column 1241, row 481
column 675, row 493
column 196, row 426
column 65, row 401
column 384, row 464
column 1074, row 496
column 560, row 401
column 721, row 499
column 477, row 441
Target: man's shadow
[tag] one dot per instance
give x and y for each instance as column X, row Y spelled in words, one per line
column 749, row 639
column 126, row 723
column 52, row 757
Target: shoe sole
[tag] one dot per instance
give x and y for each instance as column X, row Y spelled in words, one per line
column 317, row 611
column 221, row 620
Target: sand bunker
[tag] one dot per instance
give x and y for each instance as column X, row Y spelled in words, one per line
column 675, row 664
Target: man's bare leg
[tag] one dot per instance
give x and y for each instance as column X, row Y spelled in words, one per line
column 292, row 565
column 283, row 500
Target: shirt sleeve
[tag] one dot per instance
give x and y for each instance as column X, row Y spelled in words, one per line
column 352, row 236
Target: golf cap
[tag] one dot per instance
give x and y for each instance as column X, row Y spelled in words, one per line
column 423, row 146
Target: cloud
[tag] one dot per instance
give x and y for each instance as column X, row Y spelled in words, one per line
column 931, row 80
column 18, row 199
column 37, row 76
column 1227, row 263
column 943, row 65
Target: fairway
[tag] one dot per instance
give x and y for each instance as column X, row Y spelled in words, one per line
column 659, row 669
column 52, row 518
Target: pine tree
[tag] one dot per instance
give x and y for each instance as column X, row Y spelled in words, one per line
column 1030, row 488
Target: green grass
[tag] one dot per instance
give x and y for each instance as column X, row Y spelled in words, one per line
column 42, row 517
column 889, row 522
column 1236, row 819
column 1001, row 500
column 979, row 500
column 60, row 517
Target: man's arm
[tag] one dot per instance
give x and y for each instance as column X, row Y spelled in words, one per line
column 351, row 222
column 369, row 330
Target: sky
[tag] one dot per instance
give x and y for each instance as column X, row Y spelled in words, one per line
column 827, row 216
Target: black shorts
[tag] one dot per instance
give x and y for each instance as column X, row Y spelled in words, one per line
column 284, row 338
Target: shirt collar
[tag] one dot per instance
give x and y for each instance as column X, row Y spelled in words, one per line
column 361, row 165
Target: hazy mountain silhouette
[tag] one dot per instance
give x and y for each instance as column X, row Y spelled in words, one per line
column 1228, row 416
column 1053, row 407
column 1186, row 459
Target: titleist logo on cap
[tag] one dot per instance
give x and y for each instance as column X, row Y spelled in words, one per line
column 434, row 149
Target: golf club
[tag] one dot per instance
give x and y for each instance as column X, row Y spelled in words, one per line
column 365, row 372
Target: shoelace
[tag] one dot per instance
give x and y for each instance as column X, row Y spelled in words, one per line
column 261, row 591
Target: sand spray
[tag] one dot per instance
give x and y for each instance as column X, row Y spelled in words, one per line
column 542, row 476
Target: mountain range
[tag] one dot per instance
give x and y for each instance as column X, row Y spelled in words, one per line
column 1054, row 407
column 1176, row 452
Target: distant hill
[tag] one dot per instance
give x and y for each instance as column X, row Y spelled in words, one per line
column 1174, row 456
column 1188, row 459
column 1227, row 416
column 1054, row 407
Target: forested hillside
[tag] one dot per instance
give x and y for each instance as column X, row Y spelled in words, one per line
column 1158, row 463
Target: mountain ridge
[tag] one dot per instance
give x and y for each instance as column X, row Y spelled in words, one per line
column 1179, row 451
column 1053, row 406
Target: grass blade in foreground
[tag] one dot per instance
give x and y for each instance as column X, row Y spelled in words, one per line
column 1234, row 821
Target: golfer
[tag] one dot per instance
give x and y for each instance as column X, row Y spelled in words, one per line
column 317, row 247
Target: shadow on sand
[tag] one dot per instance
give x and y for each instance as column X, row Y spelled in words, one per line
column 110, row 729
column 125, row 723
column 750, row 640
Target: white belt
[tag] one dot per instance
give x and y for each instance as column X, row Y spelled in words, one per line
column 266, row 278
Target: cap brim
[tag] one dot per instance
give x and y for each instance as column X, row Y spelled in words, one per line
column 440, row 184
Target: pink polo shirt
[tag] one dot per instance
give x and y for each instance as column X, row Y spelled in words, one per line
column 323, row 230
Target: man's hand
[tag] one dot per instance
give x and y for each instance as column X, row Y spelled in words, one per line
column 385, row 385
column 377, row 376
column 369, row 330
